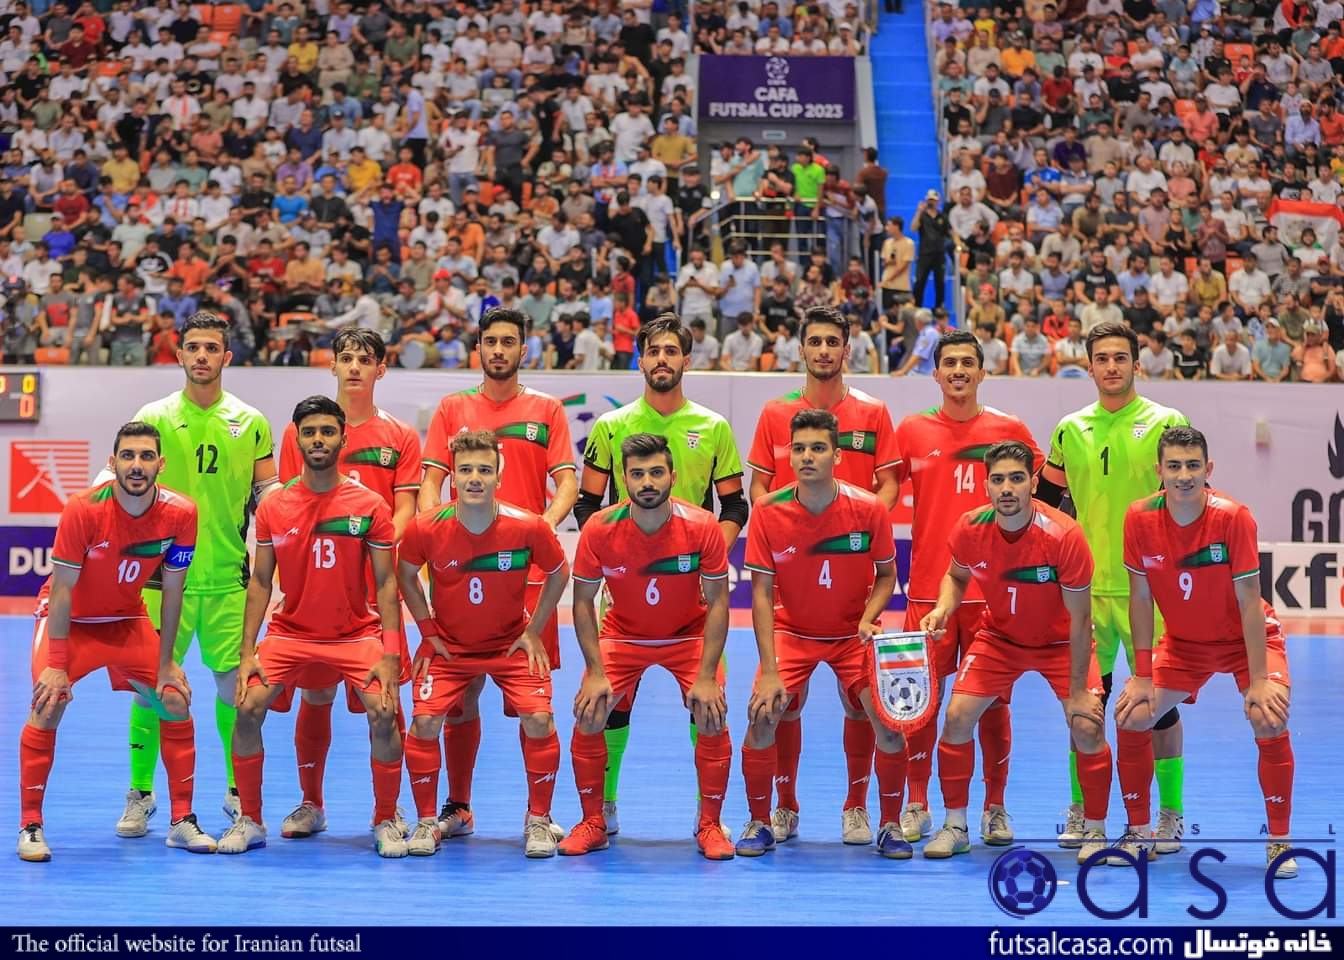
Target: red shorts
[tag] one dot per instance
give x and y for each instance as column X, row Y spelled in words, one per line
column 321, row 676
column 551, row 635
column 440, row 694
column 1187, row 666
column 128, row 649
column 992, row 665
column 952, row 645
column 625, row 663
column 796, row 658
column 289, row 662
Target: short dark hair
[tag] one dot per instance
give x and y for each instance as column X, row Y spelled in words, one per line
column 957, row 338
column 1010, row 450
column 362, row 340
column 824, row 314
column 505, row 315
column 661, row 324
column 137, row 428
column 318, row 406
column 1182, row 437
column 206, row 320
column 1113, row 328
column 813, row 419
column 642, row 445
column 475, row 441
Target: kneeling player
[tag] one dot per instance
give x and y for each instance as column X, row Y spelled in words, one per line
column 320, row 533
column 1194, row 551
column 666, row 568
column 90, row 616
column 829, row 547
column 479, row 551
column 1034, row 568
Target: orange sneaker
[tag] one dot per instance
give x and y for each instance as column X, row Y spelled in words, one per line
column 712, row 843
column 586, row 837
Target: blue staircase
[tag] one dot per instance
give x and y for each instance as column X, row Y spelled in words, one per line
column 906, row 125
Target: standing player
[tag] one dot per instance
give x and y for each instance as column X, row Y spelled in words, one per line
column 828, row 547
column 1035, row 574
column 870, row 458
column 90, row 614
column 1194, row 552
column 217, row 451
column 535, row 446
column 1103, row 456
column 943, row 451
column 383, row 454
column 666, row 569
column 479, row 552
column 320, row 533
column 705, row 462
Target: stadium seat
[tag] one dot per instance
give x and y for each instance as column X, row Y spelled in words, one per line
column 321, row 358
column 52, row 356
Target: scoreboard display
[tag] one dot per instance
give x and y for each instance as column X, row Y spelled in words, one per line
column 20, row 396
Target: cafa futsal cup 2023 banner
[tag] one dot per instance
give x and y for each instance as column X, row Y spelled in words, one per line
column 796, row 89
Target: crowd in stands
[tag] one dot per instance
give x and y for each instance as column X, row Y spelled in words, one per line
column 1118, row 159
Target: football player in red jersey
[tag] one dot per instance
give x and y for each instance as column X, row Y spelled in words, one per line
column 943, row 451
column 828, row 546
column 383, row 454
column 1193, row 551
column 666, row 568
column 870, row 459
column 480, row 552
column 320, row 533
column 90, row 615
column 535, row 447
column 1035, row 574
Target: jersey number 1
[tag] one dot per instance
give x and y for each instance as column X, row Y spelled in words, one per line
column 1105, row 461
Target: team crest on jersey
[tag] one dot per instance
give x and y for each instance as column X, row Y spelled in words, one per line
column 856, row 542
column 235, row 429
column 385, row 456
column 1042, row 574
column 857, row 441
column 1139, row 430
column 692, row 439
column 532, row 431
column 684, row 563
column 505, row 561
column 355, row 524
column 1216, row 552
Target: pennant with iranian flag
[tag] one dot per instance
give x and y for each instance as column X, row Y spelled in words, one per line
column 903, row 683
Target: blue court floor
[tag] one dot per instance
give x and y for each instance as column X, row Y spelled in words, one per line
column 652, row 873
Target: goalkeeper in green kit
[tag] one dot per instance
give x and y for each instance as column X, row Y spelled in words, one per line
column 1104, row 456
column 217, row 450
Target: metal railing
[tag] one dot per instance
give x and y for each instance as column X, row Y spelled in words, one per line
column 758, row 223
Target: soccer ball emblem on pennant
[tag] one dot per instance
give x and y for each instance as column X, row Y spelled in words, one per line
column 903, row 684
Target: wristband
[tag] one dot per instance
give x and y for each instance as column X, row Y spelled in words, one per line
column 392, row 642
column 428, row 627
column 58, row 653
column 1143, row 664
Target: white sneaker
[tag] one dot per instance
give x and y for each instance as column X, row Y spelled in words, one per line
column 186, row 834
column 1136, row 845
column 456, row 820
column 1094, row 841
column 948, row 842
column 539, row 838
column 784, row 824
column 612, row 819
column 855, row 828
column 134, row 820
column 1072, row 835
column 233, row 806
column 916, row 823
column 425, row 838
column 1170, row 829
column 33, row 845
column 398, row 821
column 303, row 821
column 245, row 834
column 390, row 840
column 1287, row 870
column 994, row 829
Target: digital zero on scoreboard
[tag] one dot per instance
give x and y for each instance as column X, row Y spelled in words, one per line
column 20, row 396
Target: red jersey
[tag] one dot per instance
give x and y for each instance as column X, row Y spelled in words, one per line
column 477, row 581
column 867, row 440
column 116, row 553
column 533, row 437
column 321, row 542
column 382, row 453
column 945, row 464
column 1021, row 575
column 1191, row 570
column 654, row 579
column 822, row 564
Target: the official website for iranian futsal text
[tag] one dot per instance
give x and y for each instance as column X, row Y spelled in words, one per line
column 1060, row 945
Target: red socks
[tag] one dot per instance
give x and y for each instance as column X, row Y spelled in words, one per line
column 996, row 743
column 919, row 749
column 177, row 744
column 312, row 740
column 788, row 749
column 541, row 760
column 1135, row 762
column 247, row 774
column 588, row 754
column 1276, row 781
column 460, row 744
column 713, row 757
column 386, row 788
column 956, row 763
column 758, row 770
column 860, row 740
column 1094, row 775
column 891, row 769
column 422, row 764
column 37, row 749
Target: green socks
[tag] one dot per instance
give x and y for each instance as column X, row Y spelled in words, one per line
column 1170, row 782
column 226, row 715
column 144, row 747
column 616, row 742
column 1073, row 778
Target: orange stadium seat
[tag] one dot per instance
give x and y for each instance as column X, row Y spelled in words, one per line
column 321, row 358
column 52, row 356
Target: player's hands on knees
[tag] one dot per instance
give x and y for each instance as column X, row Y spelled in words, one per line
column 769, row 699
column 1086, row 705
column 1270, row 698
column 708, row 706
column 593, row 701
column 387, row 673
column 51, row 689
column 538, row 663
column 1136, row 702
column 172, row 675
column 248, row 668
column 934, row 623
